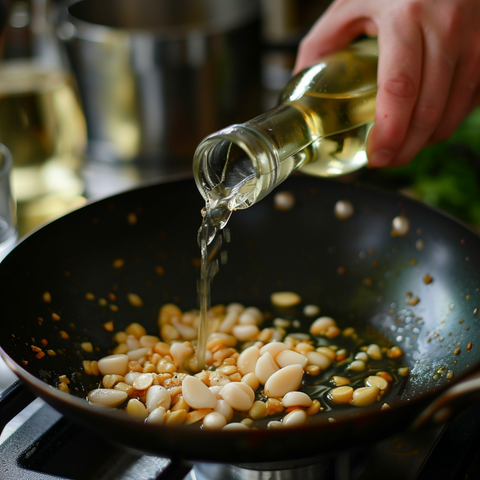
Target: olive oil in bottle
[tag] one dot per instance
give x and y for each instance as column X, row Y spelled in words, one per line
column 320, row 125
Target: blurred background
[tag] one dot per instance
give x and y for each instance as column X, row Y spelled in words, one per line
column 98, row 96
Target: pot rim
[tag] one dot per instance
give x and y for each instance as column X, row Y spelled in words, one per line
column 245, row 15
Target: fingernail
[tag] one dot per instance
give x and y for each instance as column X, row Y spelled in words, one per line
column 380, row 158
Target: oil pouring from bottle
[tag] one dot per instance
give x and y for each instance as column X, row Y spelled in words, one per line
column 319, row 126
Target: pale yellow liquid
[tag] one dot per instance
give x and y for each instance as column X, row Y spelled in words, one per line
column 320, row 127
column 210, row 243
column 42, row 124
column 340, row 152
column 324, row 118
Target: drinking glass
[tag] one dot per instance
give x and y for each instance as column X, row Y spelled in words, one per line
column 8, row 214
column 41, row 119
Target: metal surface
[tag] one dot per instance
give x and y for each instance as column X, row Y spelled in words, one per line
column 419, row 455
column 300, row 250
column 18, row 398
column 33, row 452
column 157, row 76
column 49, row 447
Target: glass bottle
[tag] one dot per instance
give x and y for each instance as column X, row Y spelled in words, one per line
column 41, row 119
column 320, row 125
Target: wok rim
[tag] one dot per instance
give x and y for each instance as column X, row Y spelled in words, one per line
column 92, row 31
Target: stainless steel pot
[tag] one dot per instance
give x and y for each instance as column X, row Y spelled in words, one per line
column 156, row 76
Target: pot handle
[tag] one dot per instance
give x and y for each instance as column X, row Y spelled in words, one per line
column 12, row 401
column 456, row 398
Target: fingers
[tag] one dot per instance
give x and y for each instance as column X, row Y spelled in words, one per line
column 429, row 67
column 464, row 92
column 399, row 77
column 450, row 74
column 337, row 28
column 426, row 111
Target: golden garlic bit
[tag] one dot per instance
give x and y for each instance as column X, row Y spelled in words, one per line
column 285, row 299
column 251, row 372
column 63, row 383
column 411, row 299
column 427, row 279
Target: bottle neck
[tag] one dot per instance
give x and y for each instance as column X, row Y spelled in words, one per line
column 322, row 122
column 244, row 163
column 238, row 165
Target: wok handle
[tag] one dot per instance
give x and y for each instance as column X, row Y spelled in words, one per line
column 12, row 401
column 455, row 399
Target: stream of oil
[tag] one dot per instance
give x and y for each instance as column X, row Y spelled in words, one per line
column 220, row 203
column 237, row 185
column 215, row 216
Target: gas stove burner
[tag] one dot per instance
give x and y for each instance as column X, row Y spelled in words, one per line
column 344, row 465
column 48, row 446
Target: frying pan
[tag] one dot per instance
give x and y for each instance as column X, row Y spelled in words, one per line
column 354, row 269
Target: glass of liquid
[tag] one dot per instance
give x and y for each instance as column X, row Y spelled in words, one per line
column 8, row 214
column 41, row 118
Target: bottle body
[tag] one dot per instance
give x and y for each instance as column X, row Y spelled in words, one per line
column 320, row 125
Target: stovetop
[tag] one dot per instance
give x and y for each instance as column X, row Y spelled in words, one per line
column 47, row 446
column 40, row 444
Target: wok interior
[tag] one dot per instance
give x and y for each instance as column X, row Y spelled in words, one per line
column 354, row 269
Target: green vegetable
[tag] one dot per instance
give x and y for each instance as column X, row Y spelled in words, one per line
column 446, row 175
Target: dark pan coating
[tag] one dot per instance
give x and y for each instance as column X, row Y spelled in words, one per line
column 354, row 269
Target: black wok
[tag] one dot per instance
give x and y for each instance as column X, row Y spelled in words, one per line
column 299, row 250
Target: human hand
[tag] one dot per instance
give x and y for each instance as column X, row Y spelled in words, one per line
column 428, row 72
